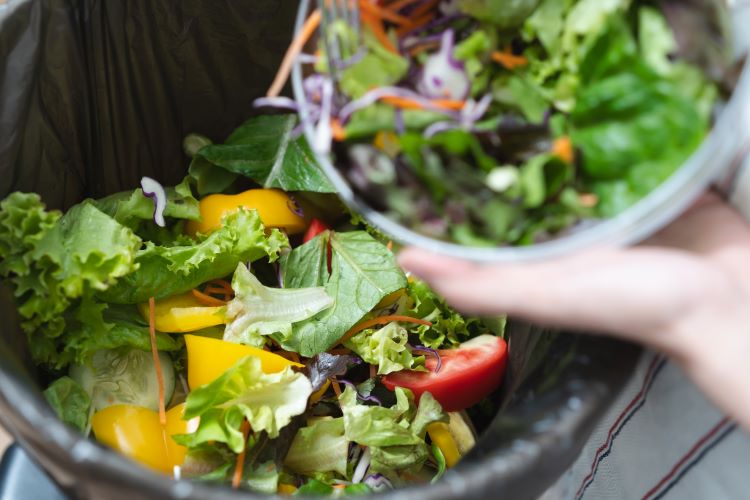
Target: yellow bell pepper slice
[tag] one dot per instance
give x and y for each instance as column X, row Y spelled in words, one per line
column 274, row 207
column 209, row 358
column 183, row 313
column 286, row 489
column 440, row 434
column 137, row 433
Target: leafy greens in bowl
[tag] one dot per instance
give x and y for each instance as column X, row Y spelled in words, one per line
column 509, row 123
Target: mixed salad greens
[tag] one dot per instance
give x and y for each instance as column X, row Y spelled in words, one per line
column 220, row 330
column 497, row 122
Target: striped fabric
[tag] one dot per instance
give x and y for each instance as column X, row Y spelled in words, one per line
column 661, row 439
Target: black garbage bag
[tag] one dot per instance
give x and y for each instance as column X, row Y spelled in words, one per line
column 95, row 94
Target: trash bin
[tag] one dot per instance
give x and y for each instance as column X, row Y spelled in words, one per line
column 95, row 94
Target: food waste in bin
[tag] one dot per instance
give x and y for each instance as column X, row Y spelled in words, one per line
column 234, row 328
column 242, row 328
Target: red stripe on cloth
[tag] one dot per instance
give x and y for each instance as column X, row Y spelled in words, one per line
column 607, row 442
column 695, row 448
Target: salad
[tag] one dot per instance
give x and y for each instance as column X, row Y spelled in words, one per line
column 497, row 122
column 222, row 330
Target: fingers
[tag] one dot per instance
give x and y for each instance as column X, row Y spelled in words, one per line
column 635, row 293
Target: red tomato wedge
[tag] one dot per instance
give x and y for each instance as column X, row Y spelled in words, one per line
column 469, row 373
column 316, row 227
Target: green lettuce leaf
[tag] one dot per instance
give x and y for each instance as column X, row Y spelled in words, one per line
column 124, row 376
column 363, row 271
column 70, row 402
column 129, row 208
column 320, row 447
column 92, row 326
column 385, row 348
column 165, row 271
column 315, row 487
column 267, row 400
column 504, row 14
column 51, row 261
column 263, row 478
column 395, row 436
column 633, row 125
column 258, row 310
column 377, row 68
column 88, row 249
column 263, row 150
column 448, row 328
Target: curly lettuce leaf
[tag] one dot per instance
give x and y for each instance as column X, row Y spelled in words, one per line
column 52, row 261
column 363, row 271
column 70, row 402
column 395, row 435
column 264, row 150
column 92, row 326
column 320, row 447
column 88, row 250
column 258, row 310
column 165, row 271
column 267, row 400
column 129, row 208
column 386, row 348
column 448, row 328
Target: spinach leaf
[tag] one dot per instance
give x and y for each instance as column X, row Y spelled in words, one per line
column 264, row 150
column 363, row 271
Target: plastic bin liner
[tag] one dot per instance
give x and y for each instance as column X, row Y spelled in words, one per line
column 96, row 94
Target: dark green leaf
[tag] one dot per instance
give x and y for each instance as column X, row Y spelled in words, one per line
column 363, row 271
column 263, row 150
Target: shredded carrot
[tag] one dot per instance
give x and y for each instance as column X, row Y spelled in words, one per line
column 380, row 13
column 399, row 4
column 336, row 388
column 420, row 22
column 207, row 300
column 422, row 47
column 291, row 356
column 339, row 134
column 376, row 26
column 221, row 285
column 380, row 320
column 588, row 200
column 339, row 486
column 406, row 103
column 373, row 371
column 340, row 351
column 424, row 9
column 508, row 59
column 239, row 467
column 157, row 362
column 311, row 24
column 389, row 246
column 563, row 149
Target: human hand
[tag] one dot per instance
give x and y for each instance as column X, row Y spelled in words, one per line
column 685, row 292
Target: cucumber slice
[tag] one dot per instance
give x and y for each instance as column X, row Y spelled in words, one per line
column 462, row 431
column 124, row 376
